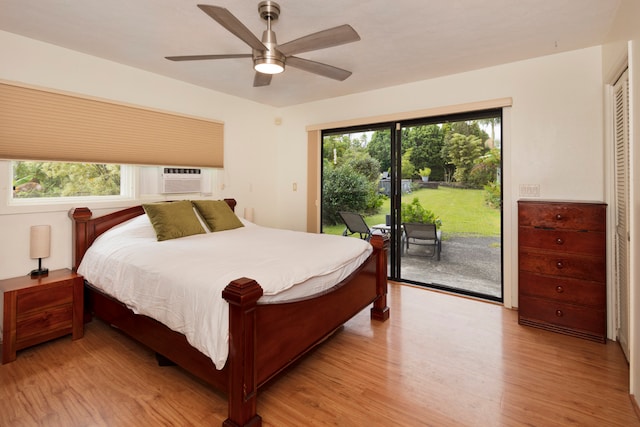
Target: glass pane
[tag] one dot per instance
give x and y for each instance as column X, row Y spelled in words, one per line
column 454, row 169
column 59, row 179
column 356, row 169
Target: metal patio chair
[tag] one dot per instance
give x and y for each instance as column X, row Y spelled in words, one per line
column 421, row 234
column 355, row 223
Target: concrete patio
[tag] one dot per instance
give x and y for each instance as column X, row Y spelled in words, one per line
column 466, row 263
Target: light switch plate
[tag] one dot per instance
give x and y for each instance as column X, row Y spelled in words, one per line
column 529, row 190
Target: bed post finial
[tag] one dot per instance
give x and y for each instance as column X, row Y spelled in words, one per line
column 242, row 295
column 80, row 233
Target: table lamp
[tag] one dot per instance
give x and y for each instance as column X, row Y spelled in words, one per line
column 40, row 246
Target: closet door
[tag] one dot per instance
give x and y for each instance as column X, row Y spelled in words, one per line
column 621, row 138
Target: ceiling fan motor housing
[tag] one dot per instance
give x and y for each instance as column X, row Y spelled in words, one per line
column 269, row 10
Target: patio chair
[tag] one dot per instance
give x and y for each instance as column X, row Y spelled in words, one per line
column 421, row 234
column 355, row 223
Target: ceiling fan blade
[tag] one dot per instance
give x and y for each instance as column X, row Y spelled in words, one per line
column 320, row 40
column 262, row 79
column 201, row 57
column 231, row 23
column 318, row 68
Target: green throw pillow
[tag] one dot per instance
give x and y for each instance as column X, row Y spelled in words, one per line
column 172, row 220
column 217, row 215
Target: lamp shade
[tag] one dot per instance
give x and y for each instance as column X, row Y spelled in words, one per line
column 40, row 241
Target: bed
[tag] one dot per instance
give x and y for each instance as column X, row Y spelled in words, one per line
column 265, row 334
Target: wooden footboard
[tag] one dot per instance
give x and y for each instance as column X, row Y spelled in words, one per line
column 263, row 338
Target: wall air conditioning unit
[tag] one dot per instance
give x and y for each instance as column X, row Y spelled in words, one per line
column 181, row 180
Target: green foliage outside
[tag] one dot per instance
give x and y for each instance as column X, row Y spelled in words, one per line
column 408, row 169
column 343, row 189
column 351, row 180
column 427, row 142
column 462, row 212
column 424, row 171
column 57, row 179
column 463, row 151
column 460, row 152
column 415, row 212
column 492, row 195
column 485, row 169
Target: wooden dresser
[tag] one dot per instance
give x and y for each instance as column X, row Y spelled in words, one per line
column 562, row 267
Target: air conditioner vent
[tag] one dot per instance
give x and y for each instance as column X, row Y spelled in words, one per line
column 181, row 180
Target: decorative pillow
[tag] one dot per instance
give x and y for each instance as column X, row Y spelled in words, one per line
column 172, row 220
column 217, row 215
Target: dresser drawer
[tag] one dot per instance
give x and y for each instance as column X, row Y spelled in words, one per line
column 564, row 265
column 573, row 216
column 578, row 320
column 589, row 243
column 563, row 289
column 54, row 296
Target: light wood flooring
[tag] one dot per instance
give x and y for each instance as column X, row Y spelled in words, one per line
column 440, row 360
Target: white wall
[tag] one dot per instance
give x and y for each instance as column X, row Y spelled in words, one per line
column 624, row 46
column 250, row 138
column 555, row 129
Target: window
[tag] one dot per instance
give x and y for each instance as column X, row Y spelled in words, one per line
column 58, row 180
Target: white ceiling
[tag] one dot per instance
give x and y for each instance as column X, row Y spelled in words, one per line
column 401, row 41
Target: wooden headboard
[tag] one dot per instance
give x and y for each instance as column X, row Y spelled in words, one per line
column 85, row 229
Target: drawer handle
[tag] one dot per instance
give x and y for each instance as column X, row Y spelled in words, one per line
column 559, row 241
column 559, row 313
column 559, row 265
column 559, row 289
column 558, row 217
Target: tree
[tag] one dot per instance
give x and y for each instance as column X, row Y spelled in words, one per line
column 369, row 168
column 492, row 122
column 485, row 169
column 334, row 147
column 427, row 142
column 380, row 148
column 408, row 169
column 463, row 152
column 59, row 179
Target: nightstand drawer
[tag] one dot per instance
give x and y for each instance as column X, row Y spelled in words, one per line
column 44, row 325
column 563, row 289
column 53, row 296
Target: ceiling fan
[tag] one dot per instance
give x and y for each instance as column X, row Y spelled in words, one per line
column 270, row 58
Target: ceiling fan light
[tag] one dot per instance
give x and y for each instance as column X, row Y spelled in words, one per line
column 268, row 65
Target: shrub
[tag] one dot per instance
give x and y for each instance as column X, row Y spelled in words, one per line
column 415, row 212
column 492, row 194
column 343, row 190
column 424, row 171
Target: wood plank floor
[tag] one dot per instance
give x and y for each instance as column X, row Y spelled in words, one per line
column 440, row 360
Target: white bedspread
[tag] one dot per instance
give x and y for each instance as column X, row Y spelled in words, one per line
column 179, row 282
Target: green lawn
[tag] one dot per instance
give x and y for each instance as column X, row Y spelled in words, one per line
column 461, row 211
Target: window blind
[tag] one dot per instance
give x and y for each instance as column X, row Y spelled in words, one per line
column 36, row 124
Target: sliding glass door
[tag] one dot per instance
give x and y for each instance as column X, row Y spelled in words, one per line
column 434, row 185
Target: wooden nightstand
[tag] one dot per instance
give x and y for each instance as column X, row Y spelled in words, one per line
column 40, row 309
